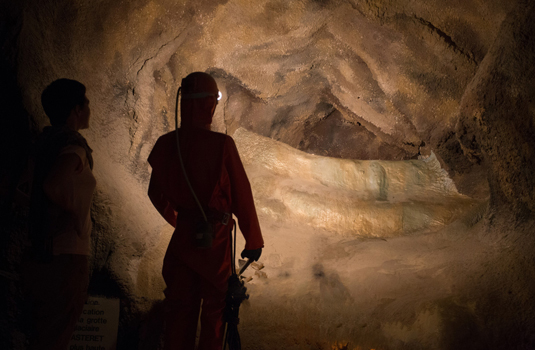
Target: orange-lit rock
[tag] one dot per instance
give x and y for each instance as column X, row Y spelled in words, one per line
column 389, row 146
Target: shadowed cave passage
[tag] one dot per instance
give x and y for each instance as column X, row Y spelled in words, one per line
column 389, row 148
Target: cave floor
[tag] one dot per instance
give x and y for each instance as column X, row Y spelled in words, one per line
column 433, row 290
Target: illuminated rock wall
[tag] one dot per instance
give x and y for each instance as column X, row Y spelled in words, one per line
column 362, row 198
column 324, row 99
column 358, row 80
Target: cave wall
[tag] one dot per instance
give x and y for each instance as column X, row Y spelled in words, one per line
column 497, row 114
column 365, row 80
column 347, row 197
column 307, row 73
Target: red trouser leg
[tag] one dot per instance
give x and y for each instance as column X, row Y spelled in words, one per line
column 182, row 303
column 183, row 297
column 212, row 326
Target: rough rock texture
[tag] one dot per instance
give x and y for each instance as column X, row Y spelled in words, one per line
column 349, row 197
column 496, row 123
column 370, row 82
column 366, row 80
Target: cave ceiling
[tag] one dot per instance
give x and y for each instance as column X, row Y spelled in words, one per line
column 348, row 79
column 322, row 98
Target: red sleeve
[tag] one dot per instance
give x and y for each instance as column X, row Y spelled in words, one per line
column 242, row 197
column 157, row 160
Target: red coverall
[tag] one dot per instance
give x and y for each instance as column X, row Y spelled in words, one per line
column 217, row 175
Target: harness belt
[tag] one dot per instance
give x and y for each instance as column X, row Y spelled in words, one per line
column 212, row 215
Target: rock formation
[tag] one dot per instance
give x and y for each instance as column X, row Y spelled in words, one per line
column 389, row 144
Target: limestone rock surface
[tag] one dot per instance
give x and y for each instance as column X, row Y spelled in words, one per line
column 373, row 133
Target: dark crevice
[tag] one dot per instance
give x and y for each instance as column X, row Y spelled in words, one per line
column 448, row 40
column 157, row 52
column 354, row 123
column 328, row 114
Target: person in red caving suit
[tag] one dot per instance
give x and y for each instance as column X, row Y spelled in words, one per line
column 219, row 181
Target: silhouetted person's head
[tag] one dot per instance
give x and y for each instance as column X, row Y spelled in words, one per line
column 199, row 100
column 65, row 103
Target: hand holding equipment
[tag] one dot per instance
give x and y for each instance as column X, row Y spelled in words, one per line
column 251, row 254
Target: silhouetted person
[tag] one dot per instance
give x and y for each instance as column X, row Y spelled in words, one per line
column 57, row 275
column 218, row 179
